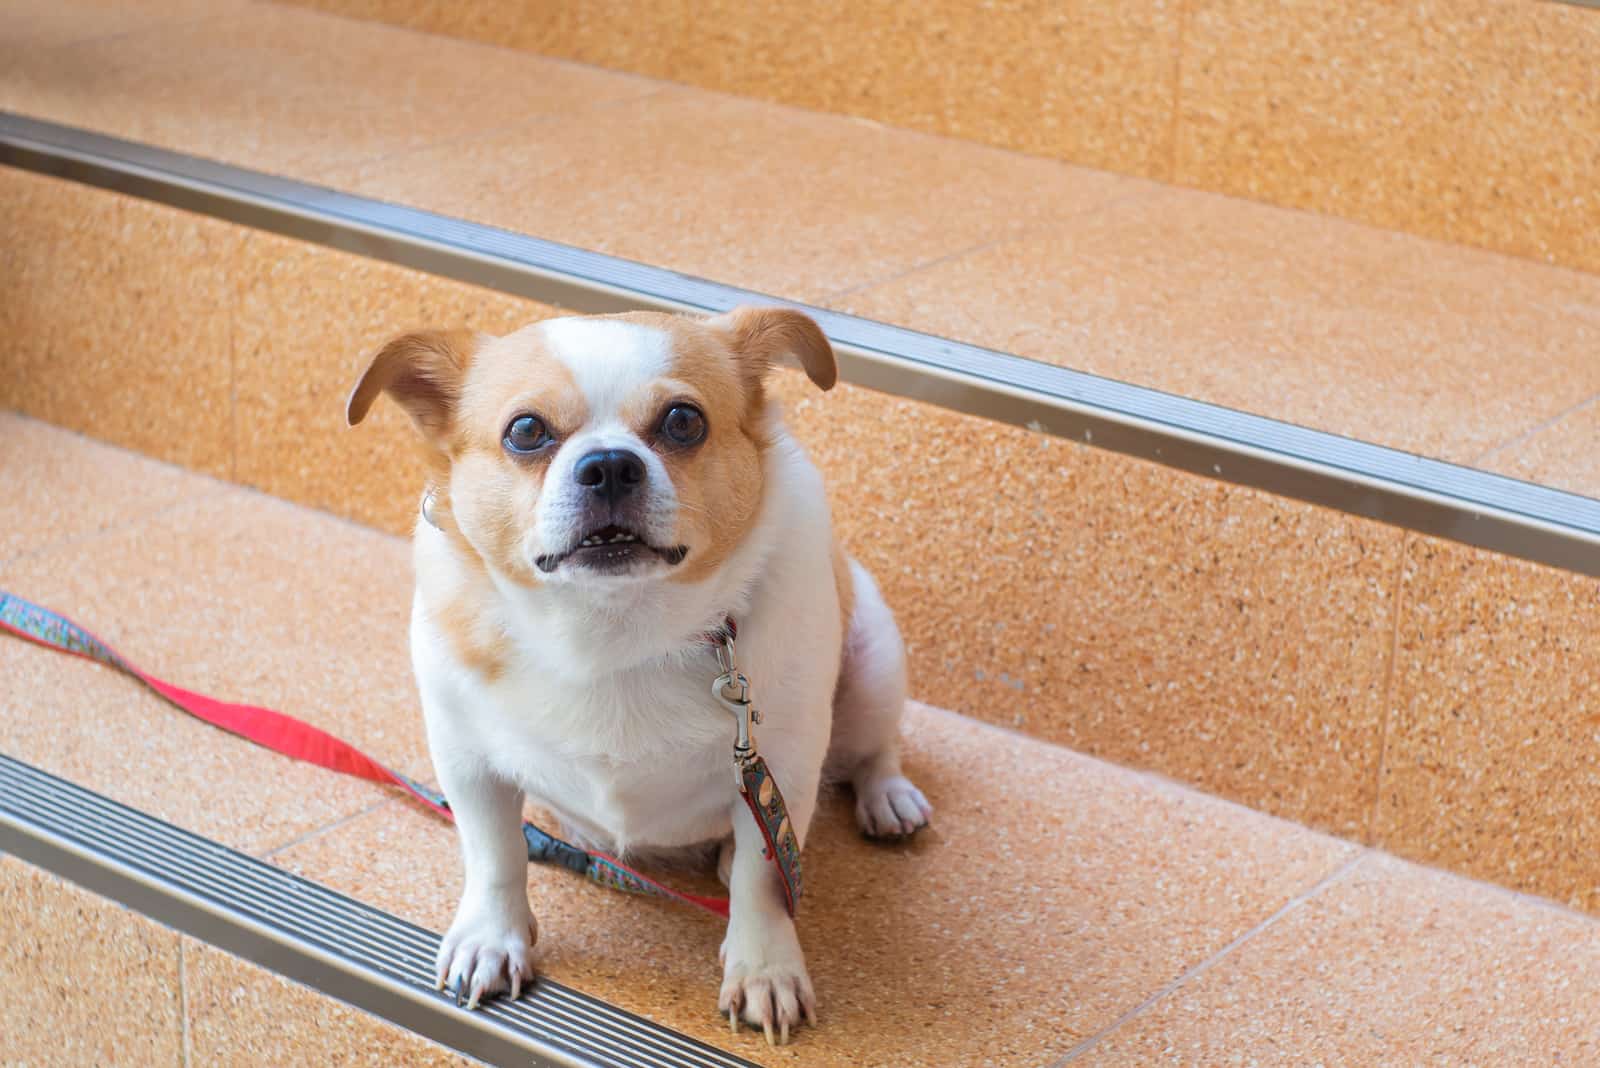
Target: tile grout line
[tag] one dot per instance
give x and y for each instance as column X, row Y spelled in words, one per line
column 1534, row 430
column 183, row 1002
column 1386, row 692
column 317, row 832
column 1175, row 131
column 185, row 500
column 1088, row 1044
column 1025, row 233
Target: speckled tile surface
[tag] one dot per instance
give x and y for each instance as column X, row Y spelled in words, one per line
column 33, row 25
column 240, row 596
column 82, row 981
column 114, row 319
column 1228, row 638
column 308, row 321
column 1492, row 764
column 1392, row 964
column 1470, row 120
column 240, row 1014
column 59, row 487
column 1054, row 894
column 1564, row 454
column 296, row 92
column 1374, row 335
column 1097, row 79
column 714, row 186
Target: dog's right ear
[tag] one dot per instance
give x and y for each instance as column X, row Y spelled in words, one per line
column 422, row 373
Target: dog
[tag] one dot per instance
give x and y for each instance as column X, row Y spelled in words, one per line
column 605, row 491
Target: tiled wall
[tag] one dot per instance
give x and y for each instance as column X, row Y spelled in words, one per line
column 1476, row 121
column 1437, row 700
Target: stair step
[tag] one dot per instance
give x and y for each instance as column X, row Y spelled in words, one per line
column 1062, row 908
column 1450, row 352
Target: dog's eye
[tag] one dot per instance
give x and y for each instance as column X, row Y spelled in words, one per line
column 526, row 434
column 683, row 424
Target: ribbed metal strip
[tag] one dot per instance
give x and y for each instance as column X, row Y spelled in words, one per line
column 307, row 932
column 1429, row 496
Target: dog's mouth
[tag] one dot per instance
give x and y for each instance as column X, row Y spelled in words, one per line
column 611, row 548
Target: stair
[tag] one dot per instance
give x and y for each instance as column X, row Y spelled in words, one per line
column 1189, row 738
column 1064, row 908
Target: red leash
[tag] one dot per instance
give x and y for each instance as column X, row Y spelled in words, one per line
column 301, row 741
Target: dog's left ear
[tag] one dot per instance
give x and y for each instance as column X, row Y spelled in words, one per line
column 422, row 373
column 760, row 336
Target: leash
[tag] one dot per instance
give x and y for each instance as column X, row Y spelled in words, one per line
column 301, row 741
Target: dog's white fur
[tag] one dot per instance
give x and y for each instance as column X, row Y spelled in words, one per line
column 603, row 712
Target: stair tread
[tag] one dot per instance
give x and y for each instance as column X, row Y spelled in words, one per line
column 1448, row 351
column 1061, row 904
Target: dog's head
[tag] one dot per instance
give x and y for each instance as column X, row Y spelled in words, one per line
column 598, row 448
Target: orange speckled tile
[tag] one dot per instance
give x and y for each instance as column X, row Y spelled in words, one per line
column 1492, row 764
column 114, row 319
column 1054, row 894
column 296, row 92
column 58, row 486
column 1220, row 635
column 1384, row 337
column 236, row 595
column 1564, row 454
column 1077, row 80
column 33, row 25
column 82, row 981
column 241, row 1014
column 1392, row 964
column 309, row 319
column 1470, row 120
column 773, row 199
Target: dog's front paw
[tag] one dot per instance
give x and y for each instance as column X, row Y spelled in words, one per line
column 488, row 951
column 891, row 807
column 764, row 982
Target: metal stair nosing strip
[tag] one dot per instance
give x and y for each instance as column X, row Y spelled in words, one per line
column 311, row 934
column 1413, row 492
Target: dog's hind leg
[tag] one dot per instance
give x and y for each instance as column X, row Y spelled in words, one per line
column 867, row 705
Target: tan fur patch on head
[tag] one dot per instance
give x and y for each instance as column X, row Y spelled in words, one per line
column 493, row 495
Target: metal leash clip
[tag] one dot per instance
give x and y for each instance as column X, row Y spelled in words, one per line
column 732, row 688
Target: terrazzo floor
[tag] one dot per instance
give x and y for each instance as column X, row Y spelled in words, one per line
column 1062, row 909
column 1451, row 352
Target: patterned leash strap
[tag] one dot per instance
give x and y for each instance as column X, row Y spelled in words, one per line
column 301, row 741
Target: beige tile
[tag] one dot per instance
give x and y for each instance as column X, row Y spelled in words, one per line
column 1228, row 638
column 242, row 597
column 1492, row 761
column 1469, row 120
column 1384, row 337
column 240, row 1014
column 1092, row 83
column 1563, row 455
column 1055, row 893
column 115, row 319
column 1391, row 965
column 308, row 318
column 58, row 486
column 777, row 200
column 34, row 25
column 82, row 981
column 297, row 92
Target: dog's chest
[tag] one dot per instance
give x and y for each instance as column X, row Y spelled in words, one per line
column 641, row 759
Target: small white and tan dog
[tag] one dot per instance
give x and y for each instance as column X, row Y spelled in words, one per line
column 605, row 492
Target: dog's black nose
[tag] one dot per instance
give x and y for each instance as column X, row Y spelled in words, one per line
column 609, row 473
